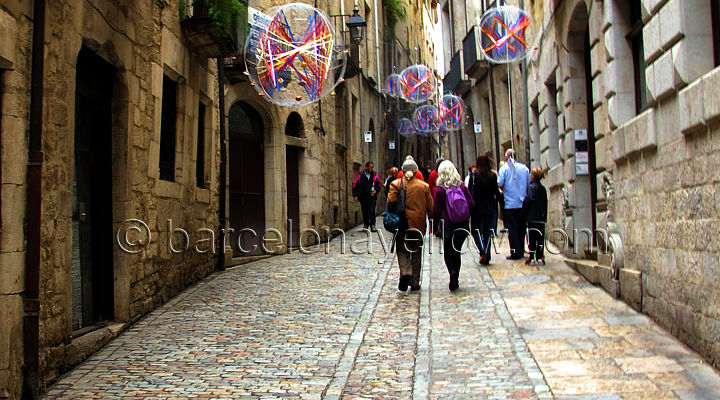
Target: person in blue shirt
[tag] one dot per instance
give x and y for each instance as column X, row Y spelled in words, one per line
column 513, row 180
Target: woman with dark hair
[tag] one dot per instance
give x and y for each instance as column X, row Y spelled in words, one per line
column 483, row 222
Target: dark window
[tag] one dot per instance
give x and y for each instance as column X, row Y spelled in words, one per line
column 636, row 42
column 294, row 125
column 715, row 10
column 167, row 130
column 200, row 163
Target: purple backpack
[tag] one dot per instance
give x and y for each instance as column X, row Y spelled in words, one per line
column 457, row 206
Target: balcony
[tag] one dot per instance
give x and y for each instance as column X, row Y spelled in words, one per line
column 475, row 64
column 203, row 35
column 455, row 80
column 234, row 65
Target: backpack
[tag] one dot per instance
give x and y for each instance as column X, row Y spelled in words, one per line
column 457, row 205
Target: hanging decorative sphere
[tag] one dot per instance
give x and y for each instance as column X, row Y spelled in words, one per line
column 417, row 83
column 503, row 34
column 294, row 56
column 392, row 86
column 427, row 119
column 406, row 127
column 452, row 112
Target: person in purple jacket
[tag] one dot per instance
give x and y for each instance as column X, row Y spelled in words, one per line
column 451, row 217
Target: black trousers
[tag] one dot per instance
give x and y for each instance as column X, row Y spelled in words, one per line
column 452, row 247
column 515, row 223
column 368, row 210
column 536, row 239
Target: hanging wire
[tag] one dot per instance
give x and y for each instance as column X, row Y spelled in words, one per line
column 512, row 122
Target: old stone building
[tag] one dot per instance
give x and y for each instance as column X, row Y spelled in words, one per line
column 621, row 116
column 622, row 112
column 144, row 149
column 409, row 42
column 493, row 93
column 122, row 100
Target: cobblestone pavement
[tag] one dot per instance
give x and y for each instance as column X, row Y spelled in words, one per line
column 319, row 326
column 590, row 346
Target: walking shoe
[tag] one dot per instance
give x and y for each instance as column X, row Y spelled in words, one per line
column 453, row 285
column 373, row 228
column 484, row 259
column 543, row 261
column 403, row 284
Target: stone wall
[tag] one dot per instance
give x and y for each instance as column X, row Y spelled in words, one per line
column 142, row 41
column 15, row 59
column 656, row 184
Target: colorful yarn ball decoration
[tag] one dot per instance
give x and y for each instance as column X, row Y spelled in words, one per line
column 417, row 83
column 427, row 119
column 452, row 112
column 502, row 38
column 406, row 127
column 297, row 59
column 392, row 86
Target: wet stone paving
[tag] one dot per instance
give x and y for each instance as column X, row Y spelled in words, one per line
column 332, row 325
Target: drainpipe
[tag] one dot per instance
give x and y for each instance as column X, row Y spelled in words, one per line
column 377, row 45
column 222, row 181
column 523, row 69
column 31, row 302
column 494, row 118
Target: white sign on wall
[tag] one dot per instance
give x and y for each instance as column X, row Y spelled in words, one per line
column 257, row 23
column 582, row 169
column 581, row 157
column 391, row 145
column 477, row 127
column 368, row 136
column 581, row 134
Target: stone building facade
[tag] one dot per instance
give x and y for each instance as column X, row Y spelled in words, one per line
column 411, row 42
column 636, row 83
column 131, row 130
column 107, row 67
column 493, row 93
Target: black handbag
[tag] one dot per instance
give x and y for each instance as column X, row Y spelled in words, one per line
column 395, row 214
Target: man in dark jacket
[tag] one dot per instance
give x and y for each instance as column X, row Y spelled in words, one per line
column 365, row 188
column 535, row 210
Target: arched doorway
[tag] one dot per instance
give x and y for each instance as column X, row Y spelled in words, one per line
column 584, row 207
column 247, row 179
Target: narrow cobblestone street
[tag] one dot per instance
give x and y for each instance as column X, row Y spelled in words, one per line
column 329, row 326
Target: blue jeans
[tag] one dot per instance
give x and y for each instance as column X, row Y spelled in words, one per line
column 483, row 226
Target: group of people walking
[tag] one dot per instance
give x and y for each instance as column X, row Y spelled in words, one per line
column 456, row 208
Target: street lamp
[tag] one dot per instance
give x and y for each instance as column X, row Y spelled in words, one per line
column 356, row 25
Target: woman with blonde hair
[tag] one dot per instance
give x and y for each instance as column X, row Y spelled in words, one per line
column 451, row 216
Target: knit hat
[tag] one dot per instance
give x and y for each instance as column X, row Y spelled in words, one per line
column 409, row 165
